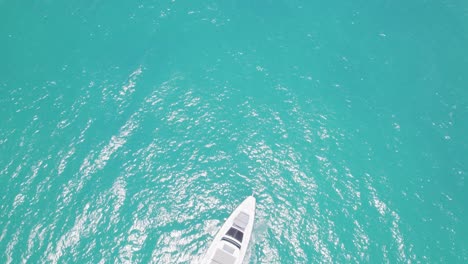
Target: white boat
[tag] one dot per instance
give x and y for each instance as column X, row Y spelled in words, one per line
column 230, row 244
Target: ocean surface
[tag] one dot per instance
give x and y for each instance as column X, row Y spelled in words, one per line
column 130, row 130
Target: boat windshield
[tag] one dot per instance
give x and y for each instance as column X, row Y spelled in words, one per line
column 236, row 234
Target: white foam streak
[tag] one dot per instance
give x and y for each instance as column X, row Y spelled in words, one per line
column 389, row 215
column 118, row 190
column 361, row 240
column 37, row 233
column 10, row 246
column 129, row 87
column 70, row 238
column 136, row 237
column 116, row 142
column 64, row 160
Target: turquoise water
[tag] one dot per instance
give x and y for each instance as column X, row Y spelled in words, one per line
column 129, row 131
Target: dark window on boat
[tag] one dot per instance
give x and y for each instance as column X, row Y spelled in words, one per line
column 234, row 233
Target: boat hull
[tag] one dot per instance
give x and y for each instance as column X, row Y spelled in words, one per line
column 230, row 243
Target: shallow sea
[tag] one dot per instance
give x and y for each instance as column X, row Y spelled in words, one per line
column 129, row 131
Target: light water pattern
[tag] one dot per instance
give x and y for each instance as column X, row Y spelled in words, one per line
column 129, row 131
